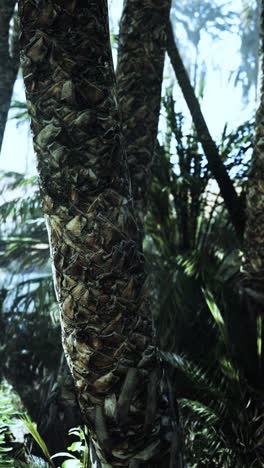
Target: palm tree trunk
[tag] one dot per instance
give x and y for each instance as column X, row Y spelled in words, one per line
column 9, row 59
column 98, row 265
column 141, row 52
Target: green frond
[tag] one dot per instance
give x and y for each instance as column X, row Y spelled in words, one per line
column 37, row 437
column 202, row 411
column 201, row 381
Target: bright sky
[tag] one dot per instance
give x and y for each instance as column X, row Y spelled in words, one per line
column 222, row 103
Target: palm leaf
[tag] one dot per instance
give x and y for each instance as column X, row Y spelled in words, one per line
column 37, row 437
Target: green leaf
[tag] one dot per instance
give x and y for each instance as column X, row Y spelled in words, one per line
column 63, row 454
column 36, row 435
column 76, row 447
column 71, row 464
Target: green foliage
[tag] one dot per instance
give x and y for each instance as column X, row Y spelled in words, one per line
column 23, row 459
column 17, row 455
column 28, row 309
column 221, row 411
column 210, row 338
column 79, row 447
column 22, row 224
column 6, row 413
column 236, row 151
column 32, row 462
column 37, row 437
column 190, row 241
column 24, row 251
column 195, row 260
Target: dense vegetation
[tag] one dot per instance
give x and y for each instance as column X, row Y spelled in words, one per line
column 211, row 344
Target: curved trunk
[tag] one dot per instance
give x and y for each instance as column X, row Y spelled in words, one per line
column 98, row 265
column 9, row 59
column 141, row 52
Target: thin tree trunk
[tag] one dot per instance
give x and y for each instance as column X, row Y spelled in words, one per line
column 98, row 266
column 141, row 52
column 9, row 59
column 219, row 172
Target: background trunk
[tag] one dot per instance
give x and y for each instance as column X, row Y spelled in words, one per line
column 141, row 52
column 9, row 59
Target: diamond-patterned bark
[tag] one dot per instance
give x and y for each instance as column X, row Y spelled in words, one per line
column 95, row 249
column 141, row 52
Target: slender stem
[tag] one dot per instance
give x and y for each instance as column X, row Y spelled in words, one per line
column 215, row 163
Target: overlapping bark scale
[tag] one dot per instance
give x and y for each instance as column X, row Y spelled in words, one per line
column 98, row 264
column 141, row 52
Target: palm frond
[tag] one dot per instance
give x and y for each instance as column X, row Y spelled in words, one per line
column 37, row 437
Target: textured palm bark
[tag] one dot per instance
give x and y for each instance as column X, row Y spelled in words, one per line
column 254, row 232
column 9, row 59
column 98, row 265
column 141, row 52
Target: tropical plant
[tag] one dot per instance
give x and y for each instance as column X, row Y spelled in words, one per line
column 79, row 447
column 37, row 437
column 29, row 315
column 6, row 412
column 201, row 303
column 17, row 455
column 221, row 404
column 190, row 244
column 96, row 244
column 187, row 222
